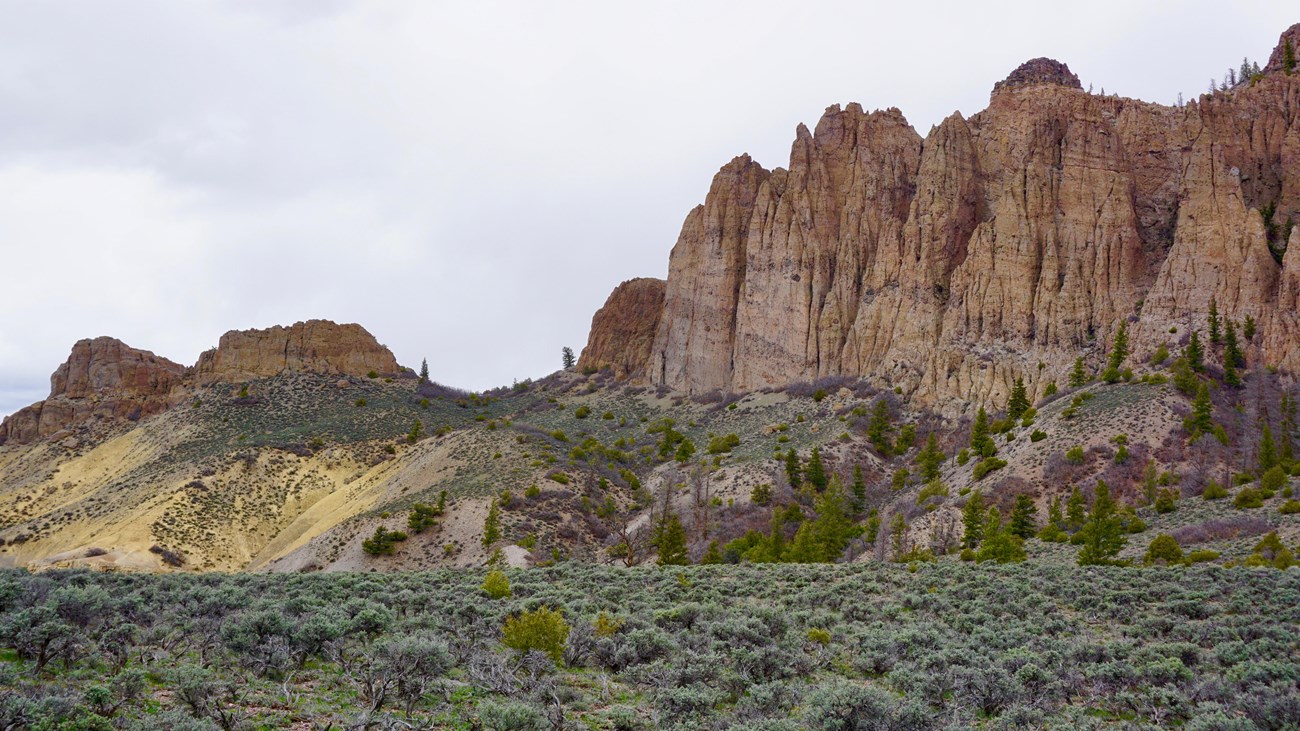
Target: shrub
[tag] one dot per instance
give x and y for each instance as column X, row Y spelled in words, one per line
column 1290, row 507
column 761, row 494
column 422, row 517
column 1165, row 501
column 722, row 445
column 1273, row 480
column 1214, row 491
column 988, row 465
column 1200, row 556
column 1248, row 498
column 383, row 542
column 819, row 394
column 542, row 629
column 1074, row 455
column 497, row 585
column 1038, row 435
column 1163, row 551
column 582, row 412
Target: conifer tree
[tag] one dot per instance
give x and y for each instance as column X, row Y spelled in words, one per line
column 566, row 357
column 1054, row 531
column 1213, row 318
column 1001, row 546
column 1248, row 330
column 930, row 458
column 492, row 525
column 1201, row 420
column 1103, row 534
column 972, row 518
column 1018, row 403
column 1288, row 56
column 816, row 472
column 424, row 370
column 1079, row 375
column 1231, row 349
column 879, row 426
column 1024, row 518
column 1286, row 448
column 712, row 555
column 1076, row 510
column 859, row 489
column 992, row 523
column 1118, row 352
column 1195, row 353
column 671, row 543
column 1267, row 450
column 898, row 536
column 793, row 470
column 980, row 441
column 823, row 539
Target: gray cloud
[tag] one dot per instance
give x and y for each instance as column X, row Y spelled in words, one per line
column 468, row 180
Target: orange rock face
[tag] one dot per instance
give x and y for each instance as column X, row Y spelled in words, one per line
column 623, row 331
column 314, row 346
column 1000, row 246
column 102, row 379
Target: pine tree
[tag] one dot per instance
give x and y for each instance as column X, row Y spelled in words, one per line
column 793, row 471
column 1231, row 349
column 1002, row 546
column 1118, row 352
column 1288, row 56
column 1244, row 73
column 930, row 458
column 816, row 472
column 1230, row 376
column 712, row 555
column 1078, row 376
column 980, row 441
column 1267, row 450
column 992, row 523
column 972, row 518
column 1054, row 531
column 1286, row 448
column 824, row 538
column 1202, row 419
column 879, row 426
column 859, row 489
column 1195, row 353
column 1213, row 317
column 566, row 357
column 1103, row 534
column 1024, row 518
column 671, row 543
column 1018, row 403
column 1248, row 330
column 492, row 525
column 898, row 536
column 1075, row 510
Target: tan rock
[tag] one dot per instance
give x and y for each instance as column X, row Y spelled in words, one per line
column 623, row 331
column 314, row 346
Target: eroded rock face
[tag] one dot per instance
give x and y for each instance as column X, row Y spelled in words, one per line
column 1001, row 246
column 623, row 331
column 314, row 346
column 103, row 378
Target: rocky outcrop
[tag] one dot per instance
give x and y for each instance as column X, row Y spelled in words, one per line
column 1001, row 246
column 314, row 346
column 623, row 331
column 102, row 379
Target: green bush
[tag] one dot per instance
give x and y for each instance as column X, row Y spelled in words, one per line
column 1248, row 498
column 722, row 445
column 497, row 585
column 1200, row 556
column 582, row 412
column 1214, row 491
column 1290, row 507
column 1074, row 455
column 383, row 542
column 1273, row 480
column 1038, row 435
column 542, row 629
column 1163, row 551
column 988, row 465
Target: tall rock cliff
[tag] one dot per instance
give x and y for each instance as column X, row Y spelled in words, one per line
column 103, row 378
column 316, row 346
column 1000, row 246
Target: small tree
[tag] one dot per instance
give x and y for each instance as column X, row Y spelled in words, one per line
column 859, row 489
column 816, row 472
column 972, row 518
column 1018, row 403
column 422, row 517
column 1213, row 318
column 1076, row 510
column 1288, row 56
column 1267, row 450
column 1103, row 534
column 980, row 441
column 793, row 470
column 1232, row 354
column 542, row 629
column 1195, row 353
column 1079, row 374
column 1118, row 352
column 383, row 542
column 1201, row 420
column 671, row 542
column 930, row 459
column 424, row 370
column 1024, row 521
column 1248, row 329
column 566, row 357
column 879, row 427
column 492, row 525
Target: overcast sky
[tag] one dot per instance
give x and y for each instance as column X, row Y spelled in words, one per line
column 466, row 180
